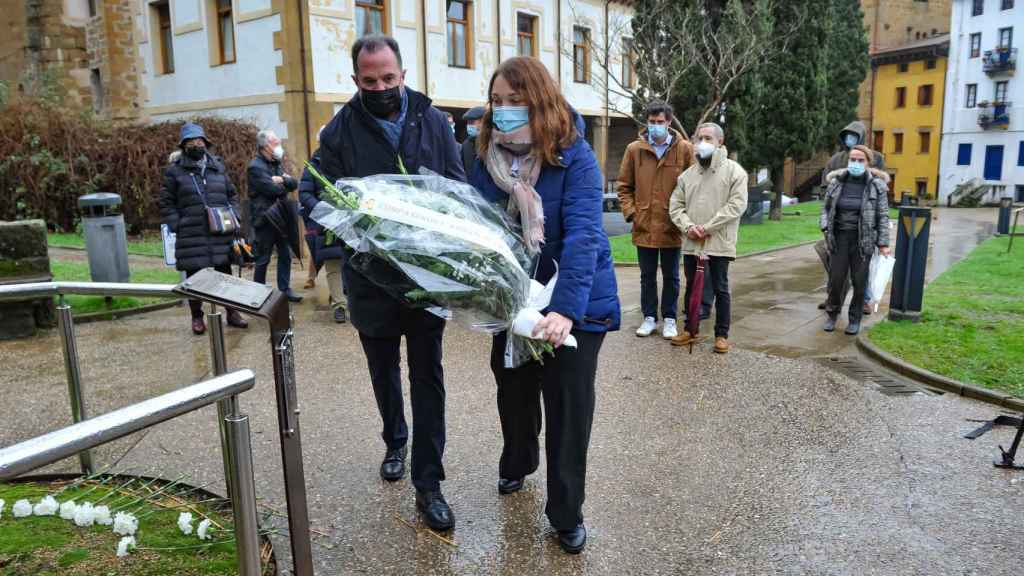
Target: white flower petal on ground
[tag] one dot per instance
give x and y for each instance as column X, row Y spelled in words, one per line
column 22, row 508
column 84, row 515
column 185, row 523
column 125, row 524
column 67, row 510
column 2, row 504
column 124, row 545
column 46, row 507
column 204, row 530
column 102, row 516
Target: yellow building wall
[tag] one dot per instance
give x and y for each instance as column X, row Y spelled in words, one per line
column 910, row 165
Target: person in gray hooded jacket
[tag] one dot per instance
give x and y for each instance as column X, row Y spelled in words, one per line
column 854, row 220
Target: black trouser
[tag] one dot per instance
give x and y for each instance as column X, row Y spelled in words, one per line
column 716, row 273
column 648, row 259
column 426, row 391
column 196, row 306
column 821, row 247
column 567, row 382
column 267, row 238
column 847, row 263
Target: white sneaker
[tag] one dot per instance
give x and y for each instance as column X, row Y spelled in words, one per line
column 668, row 331
column 647, row 327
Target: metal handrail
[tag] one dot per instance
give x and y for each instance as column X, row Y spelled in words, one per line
column 34, row 290
column 59, row 444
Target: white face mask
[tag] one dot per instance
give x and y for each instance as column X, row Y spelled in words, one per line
column 278, row 152
column 705, row 149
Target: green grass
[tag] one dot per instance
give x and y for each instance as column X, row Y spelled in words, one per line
column 79, row 272
column 44, row 545
column 799, row 224
column 144, row 246
column 972, row 322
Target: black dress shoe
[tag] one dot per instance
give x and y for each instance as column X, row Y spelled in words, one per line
column 822, row 305
column 506, row 486
column 436, row 512
column 393, row 467
column 292, row 296
column 574, row 540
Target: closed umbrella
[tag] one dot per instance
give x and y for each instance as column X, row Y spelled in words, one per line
column 283, row 215
column 696, row 294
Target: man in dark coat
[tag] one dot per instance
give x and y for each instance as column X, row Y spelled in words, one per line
column 268, row 184
column 327, row 251
column 473, row 117
column 388, row 128
column 193, row 181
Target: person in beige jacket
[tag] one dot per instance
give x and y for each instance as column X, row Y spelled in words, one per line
column 709, row 198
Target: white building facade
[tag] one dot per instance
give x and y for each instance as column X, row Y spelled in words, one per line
column 287, row 65
column 983, row 115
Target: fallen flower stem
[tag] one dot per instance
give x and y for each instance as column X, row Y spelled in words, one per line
column 447, row 541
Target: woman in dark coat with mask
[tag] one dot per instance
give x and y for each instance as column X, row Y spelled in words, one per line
column 195, row 180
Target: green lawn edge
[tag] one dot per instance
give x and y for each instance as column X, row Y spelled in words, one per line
column 141, row 246
column 972, row 321
column 70, row 271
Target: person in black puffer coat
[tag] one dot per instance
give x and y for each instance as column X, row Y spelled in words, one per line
column 193, row 180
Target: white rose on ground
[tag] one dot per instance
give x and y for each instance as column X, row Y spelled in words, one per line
column 21, row 509
column 67, row 510
column 2, row 504
column 124, row 545
column 185, row 523
column 84, row 515
column 102, row 516
column 46, row 507
column 203, row 530
column 125, row 524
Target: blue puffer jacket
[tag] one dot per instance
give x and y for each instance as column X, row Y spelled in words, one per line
column 574, row 236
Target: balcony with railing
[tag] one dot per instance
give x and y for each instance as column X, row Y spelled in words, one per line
column 995, row 115
column 1002, row 60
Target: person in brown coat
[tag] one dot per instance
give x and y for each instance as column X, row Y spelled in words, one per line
column 648, row 174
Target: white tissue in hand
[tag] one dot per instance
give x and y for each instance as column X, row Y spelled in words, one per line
column 124, row 545
column 101, row 514
column 84, row 515
column 67, row 510
column 125, row 524
column 21, row 509
column 203, row 530
column 185, row 523
column 46, row 507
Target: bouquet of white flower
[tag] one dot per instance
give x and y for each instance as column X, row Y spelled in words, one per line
column 437, row 244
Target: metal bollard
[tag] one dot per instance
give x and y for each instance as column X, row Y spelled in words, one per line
column 907, row 295
column 243, row 505
column 228, row 406
column 66, row 324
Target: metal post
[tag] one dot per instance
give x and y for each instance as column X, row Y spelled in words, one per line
column 228, row 406
column 243, row 505
column 66, row 324
column 910, row 259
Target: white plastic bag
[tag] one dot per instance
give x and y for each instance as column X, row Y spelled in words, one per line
column 879, row 274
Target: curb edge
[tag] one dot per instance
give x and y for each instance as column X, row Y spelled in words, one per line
column 904, row 368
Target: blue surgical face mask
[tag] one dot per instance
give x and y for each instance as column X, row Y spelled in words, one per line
column 856, row 168
column 472, row 130
column 509, row 118
column 657, row 131
column 851, row 140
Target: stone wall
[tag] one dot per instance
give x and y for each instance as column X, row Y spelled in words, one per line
column 112, row 52
column 23, row 258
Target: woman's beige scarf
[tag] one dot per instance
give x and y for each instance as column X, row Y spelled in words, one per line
column 505, row 148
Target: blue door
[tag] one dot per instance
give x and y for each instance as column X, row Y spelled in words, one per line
column 993, row 162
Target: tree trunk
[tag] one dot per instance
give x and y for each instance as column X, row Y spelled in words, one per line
column 777, row 186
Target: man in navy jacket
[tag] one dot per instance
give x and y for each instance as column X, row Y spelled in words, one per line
column 389, row 129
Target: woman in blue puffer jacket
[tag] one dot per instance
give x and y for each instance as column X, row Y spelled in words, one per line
column 534, row 160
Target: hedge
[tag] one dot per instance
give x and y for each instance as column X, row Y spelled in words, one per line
column 50, row 155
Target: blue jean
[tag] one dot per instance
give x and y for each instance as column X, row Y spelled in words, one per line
column 648, row 259
column 267, row 239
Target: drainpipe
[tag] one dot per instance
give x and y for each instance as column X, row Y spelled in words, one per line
column 305, row 82
column 426, row 61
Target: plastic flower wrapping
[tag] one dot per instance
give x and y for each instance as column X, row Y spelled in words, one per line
column 437, row 244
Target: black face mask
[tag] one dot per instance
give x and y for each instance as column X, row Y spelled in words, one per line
column 195, row 152
column 382, row 103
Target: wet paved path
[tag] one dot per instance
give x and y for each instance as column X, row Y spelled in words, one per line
column 747, row 463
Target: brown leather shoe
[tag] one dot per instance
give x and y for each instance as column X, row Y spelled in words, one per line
column 681, row 339
column 721, row 345
column 235, row 319
column 198, row 326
